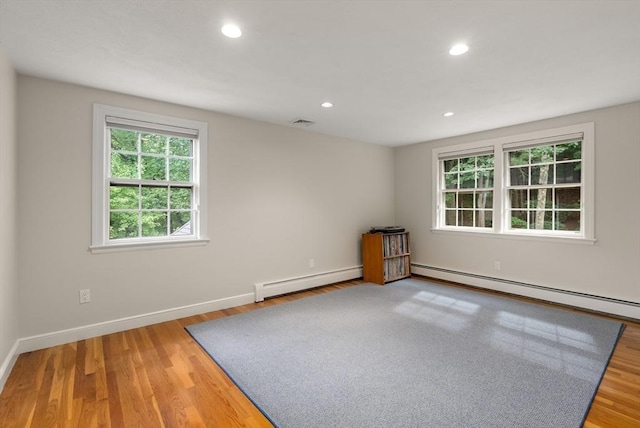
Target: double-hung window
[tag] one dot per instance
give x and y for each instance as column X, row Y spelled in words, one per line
column 148, row 180
column 538, row 184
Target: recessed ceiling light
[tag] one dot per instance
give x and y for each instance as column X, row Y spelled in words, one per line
column 459, row 49
column 448, row 114
column 231, row 31
column 327, row 104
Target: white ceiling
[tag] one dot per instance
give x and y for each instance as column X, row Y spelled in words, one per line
column 384, row 64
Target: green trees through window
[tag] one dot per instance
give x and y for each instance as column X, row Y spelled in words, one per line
column 151, row 184
column 468, row 193
column 545, row 187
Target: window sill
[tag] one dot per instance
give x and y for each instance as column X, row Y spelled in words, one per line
column 518, row 236
column 140, row 246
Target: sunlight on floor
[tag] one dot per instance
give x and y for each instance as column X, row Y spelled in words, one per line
column 541, row 342
column 551, row 345
column 442, row 311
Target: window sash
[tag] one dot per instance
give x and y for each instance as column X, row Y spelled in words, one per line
column 471, row 217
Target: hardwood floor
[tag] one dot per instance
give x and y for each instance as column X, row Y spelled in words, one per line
column 158, row 376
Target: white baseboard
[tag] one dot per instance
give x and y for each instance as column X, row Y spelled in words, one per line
column 47, row 340
column 580, row 300
column 7, row 364
column 283, row 286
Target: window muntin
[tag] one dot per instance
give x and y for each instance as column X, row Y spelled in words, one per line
column 543, row 185
column 467, row 191
column 149, row 179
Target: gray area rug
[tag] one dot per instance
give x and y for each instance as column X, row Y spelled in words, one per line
column 413, row 354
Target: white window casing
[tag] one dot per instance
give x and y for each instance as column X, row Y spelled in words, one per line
column 106, row 117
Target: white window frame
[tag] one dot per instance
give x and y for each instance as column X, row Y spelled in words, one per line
column 100, row 241
column 500, row 196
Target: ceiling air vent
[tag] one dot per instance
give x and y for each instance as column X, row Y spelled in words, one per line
column 302, row 122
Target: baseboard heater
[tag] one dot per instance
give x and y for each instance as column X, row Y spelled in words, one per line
column 290, row 285
column 573, row 298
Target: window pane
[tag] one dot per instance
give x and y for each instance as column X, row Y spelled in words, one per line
column 542, row 174
column 124, row 166
column 180, row 146
column 123, row 225
column 519, row 198
column 123, row 197
column 541, row 198
column 485, row 161
column 465, row 218
column 569, row 151
column 465, row 200
column 467, row 164
column 450, row 200
column 451, row 181
column 179, row 170
column 484, row 218
column 451, row 165
column 153, row 143
column 569, row 172
column 124, row 140
column 181, row 223
column 541, row 220
column 568, row 198
column 541, row 154
column 485, row 179
column 519, row 219
column 154, row 224
column 153, row 168
column 568, row 220
column 484, row 200
column 450, row 217
column 519, row 176
column 154, row 197
column 519, row 157
column 467, row 180
column 180, row 198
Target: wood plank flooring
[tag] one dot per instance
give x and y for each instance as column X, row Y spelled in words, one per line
column 158, row 376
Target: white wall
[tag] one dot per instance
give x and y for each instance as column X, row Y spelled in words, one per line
column 610, row 268
column 278, row 196
column 8, row 216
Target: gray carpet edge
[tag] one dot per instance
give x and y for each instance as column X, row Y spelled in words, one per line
column 604, row 370
column 230, row 376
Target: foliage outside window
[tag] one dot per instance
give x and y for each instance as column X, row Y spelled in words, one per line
column 148, row 179
column 544, row 188
column 150, row 191
column 468, row 191
column 538, row 184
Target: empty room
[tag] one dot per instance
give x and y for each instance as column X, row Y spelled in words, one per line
column 319, row 213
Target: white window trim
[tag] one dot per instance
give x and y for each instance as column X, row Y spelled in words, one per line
column 100, row 242
column 500, row 145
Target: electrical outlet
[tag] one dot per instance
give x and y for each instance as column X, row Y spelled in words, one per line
column 312, row 263
column 496, row 266
column 85, row 296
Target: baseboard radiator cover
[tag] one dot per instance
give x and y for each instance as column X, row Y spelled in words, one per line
column 566, row 297
column 290, row 285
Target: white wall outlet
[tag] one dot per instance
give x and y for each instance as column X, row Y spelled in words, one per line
column 312, row 263
column 85, row 296
column 496, row 266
